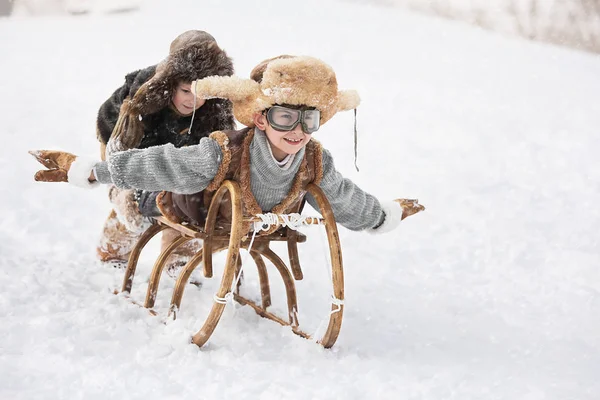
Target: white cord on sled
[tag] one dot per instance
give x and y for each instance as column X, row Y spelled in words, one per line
column 292, row 221
column 318, row 335
column 228, row 298
column 224, row 300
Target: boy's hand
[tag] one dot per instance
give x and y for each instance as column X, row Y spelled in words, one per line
column 57, row 162
column 409, row 207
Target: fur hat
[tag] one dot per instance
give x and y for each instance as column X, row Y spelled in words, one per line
column 294, row 80
column 192, row 55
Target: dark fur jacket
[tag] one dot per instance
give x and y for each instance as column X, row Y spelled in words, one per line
column 152, row 118
column 166, row 125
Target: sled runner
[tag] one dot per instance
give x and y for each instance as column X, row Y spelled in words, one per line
column 230, row 236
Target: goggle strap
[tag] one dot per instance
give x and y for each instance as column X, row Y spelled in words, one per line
column 355, row 143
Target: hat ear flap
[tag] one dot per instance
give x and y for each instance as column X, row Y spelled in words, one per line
column 226, row 87
column 347, row 100
column 244, row 110
column 152, row 96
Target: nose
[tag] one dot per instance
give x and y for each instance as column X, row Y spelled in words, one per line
column 298, row 130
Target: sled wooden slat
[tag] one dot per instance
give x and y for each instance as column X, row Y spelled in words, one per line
column 199, row 233
column 288, row 280
column 228, row 236
column 266, row 314
column 263, row 278
column 293, row 240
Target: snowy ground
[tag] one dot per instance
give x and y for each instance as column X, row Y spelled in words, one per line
column 492, row 293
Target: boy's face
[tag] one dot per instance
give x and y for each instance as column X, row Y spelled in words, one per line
column 183, row 99
column 282, row 142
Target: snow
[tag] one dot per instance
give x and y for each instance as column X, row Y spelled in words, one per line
column 75, row 7
column 575, row 24
column 492, row 293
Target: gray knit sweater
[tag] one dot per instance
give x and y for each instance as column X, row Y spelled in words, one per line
column 190, row 169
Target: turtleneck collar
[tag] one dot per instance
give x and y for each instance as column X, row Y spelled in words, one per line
column 266, row 164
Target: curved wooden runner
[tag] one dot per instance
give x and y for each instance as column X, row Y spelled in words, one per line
column 235, row 238
column 215, row 241
column 337, row 270
column 157, row 270
column 135, row 255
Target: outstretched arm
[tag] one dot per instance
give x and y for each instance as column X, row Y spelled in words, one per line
column 356, row 209
column 180, row 170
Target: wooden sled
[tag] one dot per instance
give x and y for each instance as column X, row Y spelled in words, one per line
column 219, row 237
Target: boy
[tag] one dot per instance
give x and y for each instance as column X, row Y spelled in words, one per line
column 166, row 112
column 286, row 100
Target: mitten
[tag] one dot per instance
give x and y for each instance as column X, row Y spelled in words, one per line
column 57, row 162
column 63, row 167
column 395, row 211
column 409, row 207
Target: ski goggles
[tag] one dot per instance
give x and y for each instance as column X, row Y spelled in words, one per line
column 285, row 119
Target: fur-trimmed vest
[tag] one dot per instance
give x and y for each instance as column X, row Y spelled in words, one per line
column 235, row 166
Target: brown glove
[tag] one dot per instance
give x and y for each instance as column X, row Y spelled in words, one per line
column 57, row 162
column 409, row 207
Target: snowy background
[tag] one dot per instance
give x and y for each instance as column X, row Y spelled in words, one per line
column 492, row 293
column 572, row 23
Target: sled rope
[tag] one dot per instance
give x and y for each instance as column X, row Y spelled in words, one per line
column 355, row 143
column 224, row 300
column 229, row 296
column 292, row 221
column 334, row 300
column 319, row 332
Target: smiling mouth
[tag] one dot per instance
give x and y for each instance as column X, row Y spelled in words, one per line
column 293, row 141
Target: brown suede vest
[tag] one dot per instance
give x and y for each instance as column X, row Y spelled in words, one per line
column 235, row 146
